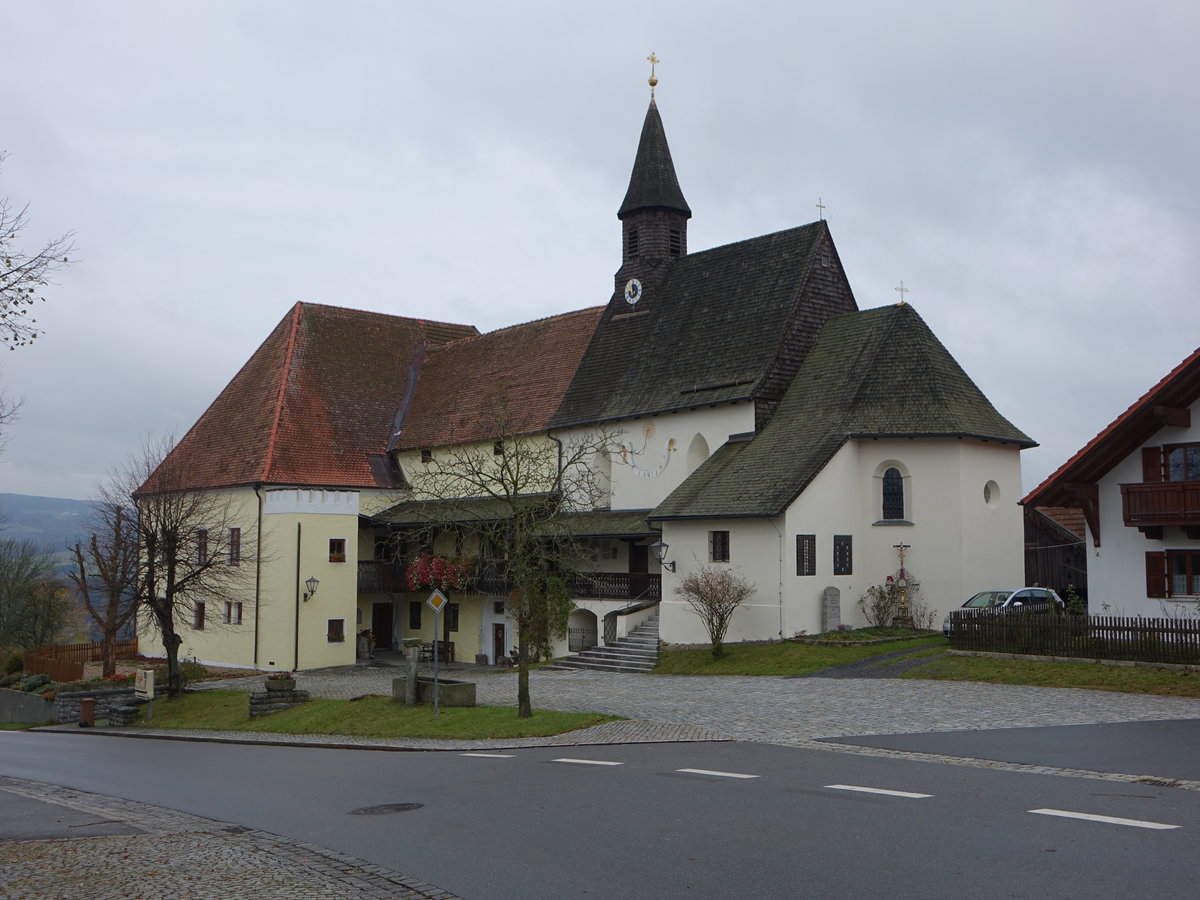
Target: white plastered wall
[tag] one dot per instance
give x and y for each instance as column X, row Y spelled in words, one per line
column 1117, row 568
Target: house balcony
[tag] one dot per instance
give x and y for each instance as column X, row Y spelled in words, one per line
column 380, row 577
column 1153, row 505
column 591, row 585
column 377, row 576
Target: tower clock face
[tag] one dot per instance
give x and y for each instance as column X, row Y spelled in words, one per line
column 633, row 291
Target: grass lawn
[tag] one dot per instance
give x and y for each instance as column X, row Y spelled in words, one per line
column 783, row 658
column 376, row 717
column 1127, row 679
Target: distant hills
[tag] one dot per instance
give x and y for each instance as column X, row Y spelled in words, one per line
column 50, row 522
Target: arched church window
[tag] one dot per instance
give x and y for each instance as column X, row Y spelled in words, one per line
column 893, row 494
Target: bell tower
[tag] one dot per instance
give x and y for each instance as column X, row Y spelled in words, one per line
column 654, row 214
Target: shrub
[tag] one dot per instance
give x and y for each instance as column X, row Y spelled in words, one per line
column 33, row 682
column 881, row 603
column 190, row 672
column 14, row 664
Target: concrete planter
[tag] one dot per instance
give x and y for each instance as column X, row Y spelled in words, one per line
column 281, row 684
column 450, row 693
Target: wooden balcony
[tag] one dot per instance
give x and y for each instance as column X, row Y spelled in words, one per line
column 381, row 577
column 1152, row 505
column 589, row 585
column 378, row 577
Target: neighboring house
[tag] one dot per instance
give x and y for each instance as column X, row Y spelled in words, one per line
column 1137, row 484
column 754, row 417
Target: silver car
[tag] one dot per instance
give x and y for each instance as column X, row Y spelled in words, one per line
column 1028, row 599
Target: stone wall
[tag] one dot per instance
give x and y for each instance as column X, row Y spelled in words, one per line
column 267, row 702
column 66, row 706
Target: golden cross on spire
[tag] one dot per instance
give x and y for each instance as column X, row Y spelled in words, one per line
column 654, row 61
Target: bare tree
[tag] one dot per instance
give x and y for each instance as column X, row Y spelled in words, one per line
column 514, row 494
column 24, row 273
column 34, row 603
column 105, row 569
column 714, row 593
column 190, row 543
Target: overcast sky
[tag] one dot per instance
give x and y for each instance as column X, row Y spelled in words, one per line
column 1029, row 169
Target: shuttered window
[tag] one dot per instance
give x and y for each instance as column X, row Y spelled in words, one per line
column 843, row 554
column 806, row 554
column 1152, row 468
column 718, row 546
column 1156, row 574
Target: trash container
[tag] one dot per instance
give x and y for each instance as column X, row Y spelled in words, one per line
column 87, row 712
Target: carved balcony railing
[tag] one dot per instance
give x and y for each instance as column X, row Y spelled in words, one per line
column 1161, row 503
column 588, row 585
column 380, row 576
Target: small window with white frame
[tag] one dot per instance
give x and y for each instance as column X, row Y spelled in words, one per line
column 335, row 631
column 233, row 612
column 337, row 550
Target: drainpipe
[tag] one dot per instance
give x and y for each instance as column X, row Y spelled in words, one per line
column 296, row 634
column 780, row 533
column 257, row 567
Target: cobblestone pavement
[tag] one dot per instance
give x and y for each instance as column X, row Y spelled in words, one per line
column 782, row 710
column 182, row 856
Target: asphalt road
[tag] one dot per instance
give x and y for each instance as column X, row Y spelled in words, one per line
column 527, row 824
column 1168, row 749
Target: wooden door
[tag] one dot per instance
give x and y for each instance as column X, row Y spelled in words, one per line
column 381, row 624
column 498, row 642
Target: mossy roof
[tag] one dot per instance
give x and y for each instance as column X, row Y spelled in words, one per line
column 873, row 373
column 708, row 333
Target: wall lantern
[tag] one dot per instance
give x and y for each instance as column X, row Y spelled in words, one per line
column 311, row 584
column 659, row 549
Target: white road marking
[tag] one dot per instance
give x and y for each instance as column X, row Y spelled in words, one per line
column 589, row 762
column 490, row 755
column 717, row 774
column 1110, row 820
column 870, row 790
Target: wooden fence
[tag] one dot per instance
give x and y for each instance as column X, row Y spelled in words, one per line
column 1086, row 637
column 65, row 662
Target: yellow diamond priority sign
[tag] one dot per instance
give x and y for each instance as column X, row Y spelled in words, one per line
column 437, row 600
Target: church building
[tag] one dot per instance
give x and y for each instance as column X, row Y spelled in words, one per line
column 753, row 418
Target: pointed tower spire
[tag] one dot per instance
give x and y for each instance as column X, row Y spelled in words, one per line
column 654, row 213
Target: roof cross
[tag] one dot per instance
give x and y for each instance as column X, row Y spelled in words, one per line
column 902, row 290
column 654, row 61
column 821, row 209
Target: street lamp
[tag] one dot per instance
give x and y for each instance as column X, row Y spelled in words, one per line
column 659, row 549
column 311, row 584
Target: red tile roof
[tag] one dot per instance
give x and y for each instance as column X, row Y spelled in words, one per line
column 1179, row 388
column 310, row 404
column 509, row 381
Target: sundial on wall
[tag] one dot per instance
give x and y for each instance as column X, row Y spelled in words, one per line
column 650, row 468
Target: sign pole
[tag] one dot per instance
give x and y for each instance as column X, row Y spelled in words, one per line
column 437, row 601
column 437, row 651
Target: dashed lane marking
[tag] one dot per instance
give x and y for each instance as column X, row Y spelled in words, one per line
column 716, row 774
column 491, row 755
column 1108, row 820
column 871, row 790
column 589, row 762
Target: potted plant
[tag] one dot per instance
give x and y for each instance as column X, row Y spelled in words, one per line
column 281, row 681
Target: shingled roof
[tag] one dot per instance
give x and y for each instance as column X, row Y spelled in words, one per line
column 508, row 381
column 874, row 373
column 710, row 333
column 653, row 183
column 316, row 397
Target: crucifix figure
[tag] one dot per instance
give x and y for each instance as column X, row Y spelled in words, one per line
column 902, row 616
column 902, row 290
column 654, row 61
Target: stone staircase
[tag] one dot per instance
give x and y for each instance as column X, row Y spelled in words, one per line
column 636, row 652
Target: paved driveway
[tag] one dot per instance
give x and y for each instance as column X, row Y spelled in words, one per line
column 783, row 710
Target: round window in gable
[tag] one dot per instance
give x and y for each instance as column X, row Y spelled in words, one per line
column 991, row 494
